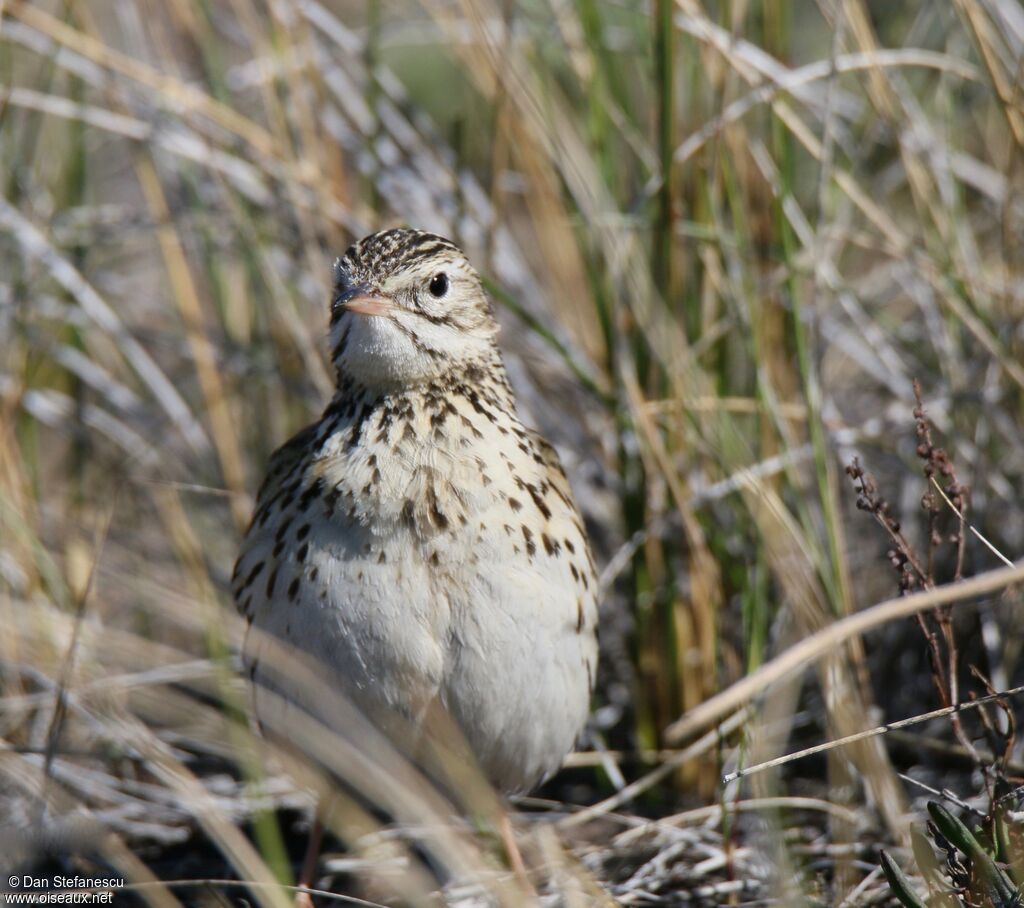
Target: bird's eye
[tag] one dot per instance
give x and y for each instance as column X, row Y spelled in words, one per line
column 438, row 285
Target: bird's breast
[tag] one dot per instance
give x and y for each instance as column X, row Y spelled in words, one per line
column 415, row 470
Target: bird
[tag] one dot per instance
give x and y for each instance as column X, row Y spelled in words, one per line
column 418, row 543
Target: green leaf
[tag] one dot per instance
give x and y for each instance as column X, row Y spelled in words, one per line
column 998, row 886
column 898, row 882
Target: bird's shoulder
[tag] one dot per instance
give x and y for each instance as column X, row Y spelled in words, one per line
column 551, row 465
column 282, row 485
column 282, row 464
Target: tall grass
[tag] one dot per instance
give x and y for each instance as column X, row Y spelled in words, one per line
column 723, row 240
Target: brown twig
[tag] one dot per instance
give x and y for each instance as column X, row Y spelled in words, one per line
column 915, row 572
column 938, row 464
column 902, row 556
column 1001, row 742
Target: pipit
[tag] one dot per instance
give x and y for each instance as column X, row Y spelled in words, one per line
column 418, row 541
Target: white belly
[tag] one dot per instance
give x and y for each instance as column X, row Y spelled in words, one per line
column 495, row 637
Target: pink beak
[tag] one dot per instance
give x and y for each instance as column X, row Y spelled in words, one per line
column 364, row 300
column 369, row 304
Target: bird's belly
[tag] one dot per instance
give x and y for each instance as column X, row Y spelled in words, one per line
column 519, row 670
column 467, row 618
column 365, row 620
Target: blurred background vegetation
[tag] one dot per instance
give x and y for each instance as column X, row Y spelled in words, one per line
column 723, row 240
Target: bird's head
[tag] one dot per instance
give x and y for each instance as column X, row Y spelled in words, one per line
column 407, row 309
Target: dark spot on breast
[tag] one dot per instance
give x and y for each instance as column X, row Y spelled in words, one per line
column 314, row 491
column 474, row 400
column 303, row 532
column 531, row 546
column 288, row 493
column 514, row 503
column 570, row 546
column 434, row 560
column 256, row 568
column 436, row 514
column 539, row 501
column 271, row 583
column 359, row 420
column 283, row 529
column 579, row 614
column 575, row 572
column 314, row 572
column 382, row 557
column 293, row 588
column 300, row 555
column 550, row 546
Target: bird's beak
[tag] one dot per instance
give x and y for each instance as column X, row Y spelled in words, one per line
column 364, row 300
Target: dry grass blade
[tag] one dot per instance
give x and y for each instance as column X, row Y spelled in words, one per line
column 647, row 782
column 821, row 643
column 955, row 510
column 81, row 594
column 827, row 746
column 714, row 813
